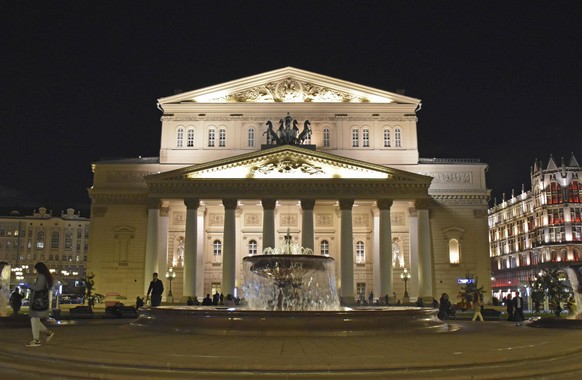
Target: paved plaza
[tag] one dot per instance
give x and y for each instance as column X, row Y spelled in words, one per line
column 113, row 349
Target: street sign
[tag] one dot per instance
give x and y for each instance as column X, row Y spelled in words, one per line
column 465, row 280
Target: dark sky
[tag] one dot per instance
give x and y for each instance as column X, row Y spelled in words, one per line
column 499, row 81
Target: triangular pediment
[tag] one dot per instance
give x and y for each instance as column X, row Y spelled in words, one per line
column 287, row 85
column 289, row 162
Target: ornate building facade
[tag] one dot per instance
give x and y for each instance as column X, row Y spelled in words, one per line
column 341, row 174
column 537, row 229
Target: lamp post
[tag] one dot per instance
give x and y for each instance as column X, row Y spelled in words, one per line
column 405, row 276
column 170, row 275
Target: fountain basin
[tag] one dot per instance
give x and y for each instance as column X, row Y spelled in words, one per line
column 245, row 322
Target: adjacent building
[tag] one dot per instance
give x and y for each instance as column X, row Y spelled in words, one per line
column 538, row 228
column 334, row 164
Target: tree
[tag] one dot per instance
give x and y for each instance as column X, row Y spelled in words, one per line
column 551, row 283
column 89, row 296
column 470, row 289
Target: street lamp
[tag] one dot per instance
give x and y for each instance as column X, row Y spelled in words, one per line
column 405, row 276
column 170, row 275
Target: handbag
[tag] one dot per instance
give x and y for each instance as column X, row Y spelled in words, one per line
column 40, row 300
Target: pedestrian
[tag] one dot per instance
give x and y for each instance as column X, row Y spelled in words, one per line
column 207, row 301
column 39, row 304
column 156, row 289
column 16, row 300
column 386, row 299
column 229, row 300
column 371, row 298
column 444, row 306
column 509, row 308
column 435, row 303
column 216, row 298
column 419, row 302
column 477, row 304
column 195, row 301
column 518, row 308
column 138, row 302
column 190, row 301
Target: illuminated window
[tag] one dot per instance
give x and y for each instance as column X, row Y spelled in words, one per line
column 222, row 137
column 253, row 247
column 361, row 290
column 355, row 137
column 68, row 240
column 40, row 240
column 180, row 137
column 326, row 138
column 324, row 248
column 55, row 240
column 211, row 137
column 217, row 251
column 554, row 193
column 190, row 137
column 366, row 137
column 386, row 138
column 454, row 251
column 251, row 137
column 397, row 137
column 360, row 252
column 575, row 192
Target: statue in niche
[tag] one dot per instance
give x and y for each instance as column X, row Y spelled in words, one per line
column 397, row 256
column 180, row 251
column 288, row 132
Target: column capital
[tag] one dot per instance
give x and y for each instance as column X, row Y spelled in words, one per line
column 154, row 203
column 346, row 204
column 192, row 203
column 230, row 203
column 269, row 204
column 422, row 204
column 384, row 204
column 307, row 204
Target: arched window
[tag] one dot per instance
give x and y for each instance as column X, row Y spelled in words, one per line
column 180, row 137
column 251, row 137
column 397, row 137
column 190, row 137
column 365, row 137
column 40, row 240
column 454, row 251
column 222, row 137
column 355, row 137
column 386, row 138
column 326, row 138
column 252, row 247
column 211, row 137
column 360, row 252
column 55, row 240
column 575, row 192
column 324, row 248
column 217, row 251
column 68, row 240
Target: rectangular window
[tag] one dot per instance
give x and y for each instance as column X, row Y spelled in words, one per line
column 251, row 137
column 366, row 138
column 211, row 138
column 326, row 138
column 355, row 138
column 386, row 138
column 222, row 137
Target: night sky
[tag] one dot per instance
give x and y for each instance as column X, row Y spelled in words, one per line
column 79, row 81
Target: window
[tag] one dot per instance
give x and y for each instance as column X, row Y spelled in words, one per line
column 361, row 291
column 355, row 138
column 386, row 138
column 366, row 137
column 68, row 240
column 575, row 192
column 252, row 247
column 217, row 251
column 554, row 193
column 324, row 248
column 222, row 137
column 55, row 240
column 40, row 240
column 360, row 252
column 397, row 137
column 211, row 137
column 251, row 137
column 190, row 137
column 454, row 251
column 326, row 138
column 180, row 137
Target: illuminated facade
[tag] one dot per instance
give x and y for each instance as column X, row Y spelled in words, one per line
column 334, row 164
column 538, row 228
column 62, row 242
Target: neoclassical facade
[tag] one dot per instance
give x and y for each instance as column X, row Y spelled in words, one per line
column 333, row 164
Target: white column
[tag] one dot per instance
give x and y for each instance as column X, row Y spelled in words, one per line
column 347, row 252
column 200, row 250
column 268, row 222
column 425, row 288
column 229, row 247
column 376, row 254
column 151, row 254
column 414, row 256
column 190, row 244
column 385, row 248
column 307, row 238
column 163, row 243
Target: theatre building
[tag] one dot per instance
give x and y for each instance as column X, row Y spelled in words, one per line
column 333, row 164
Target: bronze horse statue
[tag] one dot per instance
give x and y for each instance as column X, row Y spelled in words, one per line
column 305, row 133
column 272, row 137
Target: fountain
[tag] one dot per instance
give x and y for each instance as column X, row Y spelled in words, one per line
column 290, row 291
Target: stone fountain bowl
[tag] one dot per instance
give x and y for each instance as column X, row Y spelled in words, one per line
column 244, row 322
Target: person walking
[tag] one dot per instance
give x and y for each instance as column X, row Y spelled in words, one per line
column 444, row 307
column 509, row 308
column 477, row 304
column 156, row 289
column 15, row 300
column 39, row 304
column 518, row 308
